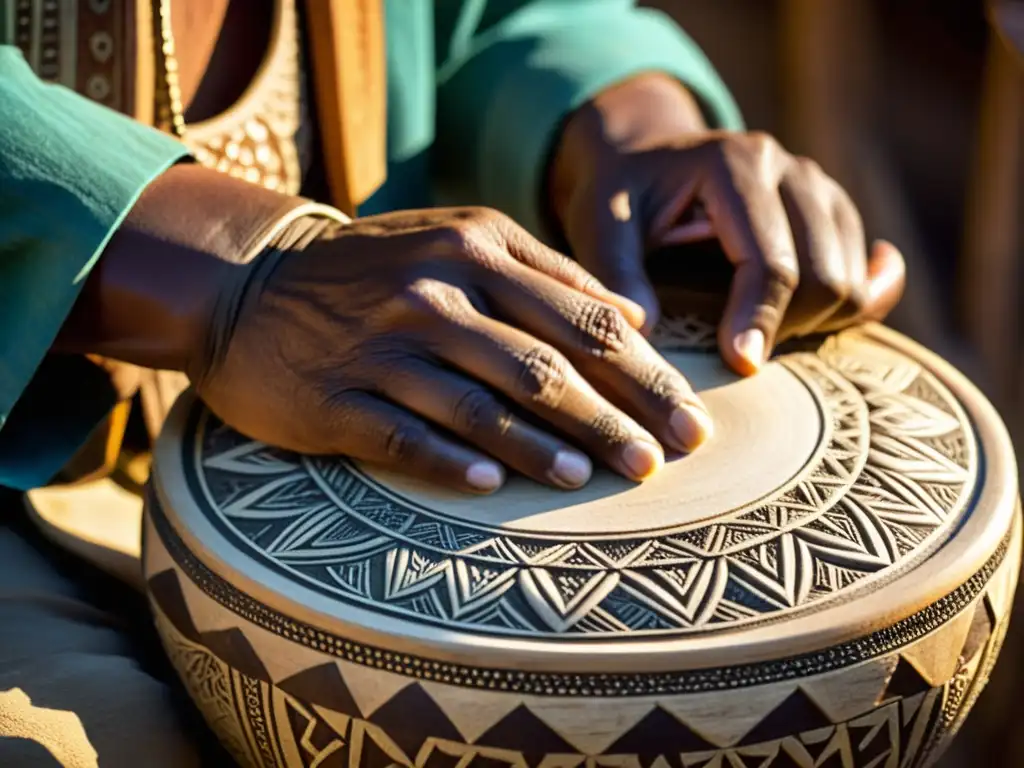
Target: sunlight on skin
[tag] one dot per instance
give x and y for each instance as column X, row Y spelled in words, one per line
column 61, row 733
column 619, row 206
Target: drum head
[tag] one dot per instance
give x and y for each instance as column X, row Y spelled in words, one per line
column 846, row 487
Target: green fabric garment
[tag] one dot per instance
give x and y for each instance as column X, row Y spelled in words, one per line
column 477, row 90
column 69, row 172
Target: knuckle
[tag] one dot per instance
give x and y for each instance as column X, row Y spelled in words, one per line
column 544, row 376
column 486, row 223
column 809, row 168
column 761, row 142
column 459, row 235
column 610, row 427
column 481, row 213
column 755, row 149
column 478, row 235
column 405, row 442
column 784, row 273
column 603, row 327
column 426, row 299
column 661, row 381
column 491, row 217
column 475, row 411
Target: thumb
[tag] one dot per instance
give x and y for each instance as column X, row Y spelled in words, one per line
column 887, row 274
column 607, row 238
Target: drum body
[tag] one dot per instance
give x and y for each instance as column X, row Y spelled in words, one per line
column 825, row 584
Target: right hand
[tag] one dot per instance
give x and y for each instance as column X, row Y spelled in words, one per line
column 444, row 344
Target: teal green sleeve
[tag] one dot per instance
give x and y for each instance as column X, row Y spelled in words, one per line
column 510, row 72
column 70, row 170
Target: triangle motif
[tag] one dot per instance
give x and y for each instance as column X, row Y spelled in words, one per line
column 797, row 712
column 409, row 571
column 560, row 599
column 473, row 584
column 522, row 731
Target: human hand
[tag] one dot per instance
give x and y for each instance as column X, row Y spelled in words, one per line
column 436, row 342
column 637, row 169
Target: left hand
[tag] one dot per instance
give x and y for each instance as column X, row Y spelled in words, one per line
column 637, row 160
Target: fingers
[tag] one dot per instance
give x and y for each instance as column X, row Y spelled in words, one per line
column 364, row 427
column 825, row 262
column 611, row 355
column 753, row 228
column 542, row 381
column 875, row 280
column 607, row 238
column 531, row 252
column 473, row 412
column 835, row 283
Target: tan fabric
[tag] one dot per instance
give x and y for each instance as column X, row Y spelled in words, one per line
column 72, row 691
column 100, row 522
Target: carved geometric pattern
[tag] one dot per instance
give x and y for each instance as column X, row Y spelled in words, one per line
column 209, row 681
column 165, row 591
column 312, row 719
column 895, row 464
column 684, row 333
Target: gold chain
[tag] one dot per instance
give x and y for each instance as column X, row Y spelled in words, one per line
column 171, row 115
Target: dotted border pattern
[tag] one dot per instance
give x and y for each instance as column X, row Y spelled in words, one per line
column 557, row 684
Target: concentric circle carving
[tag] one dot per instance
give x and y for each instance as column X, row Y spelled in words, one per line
column 895, row 466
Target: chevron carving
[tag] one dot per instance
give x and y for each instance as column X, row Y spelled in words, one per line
column 896, row 465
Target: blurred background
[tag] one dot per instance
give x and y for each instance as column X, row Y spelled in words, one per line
column 917, row 108
column 914, row 106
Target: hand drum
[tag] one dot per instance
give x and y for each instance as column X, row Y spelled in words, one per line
column 825, row 583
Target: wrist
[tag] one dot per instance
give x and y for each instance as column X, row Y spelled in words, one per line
column 149, row 299
column 292, row 233
column 641, row 113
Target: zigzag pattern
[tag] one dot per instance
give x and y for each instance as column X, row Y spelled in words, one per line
column 897, row 466
column 885, row 714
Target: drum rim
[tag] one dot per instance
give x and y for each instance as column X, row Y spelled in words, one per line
column 963, row 554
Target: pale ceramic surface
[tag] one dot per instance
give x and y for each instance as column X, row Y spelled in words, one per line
column 323, row 614
column 747, row 416
column 828, row 623
column 285, row 703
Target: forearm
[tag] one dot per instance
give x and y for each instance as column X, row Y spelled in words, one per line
column 148, row 299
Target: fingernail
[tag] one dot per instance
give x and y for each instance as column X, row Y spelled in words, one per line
column 750, row 346
column 485, row 476
column 642, row 458
column 571, row 470
column 691, row 426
